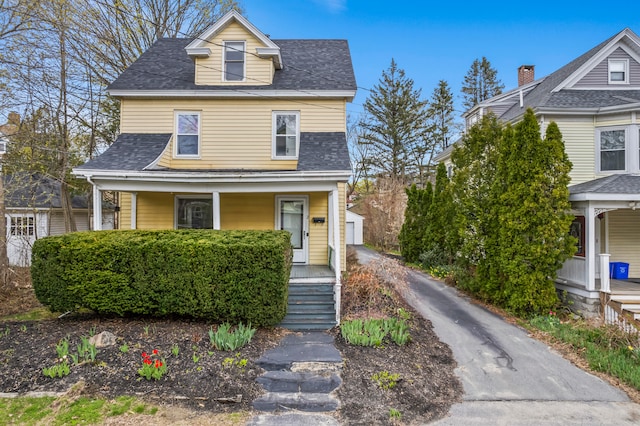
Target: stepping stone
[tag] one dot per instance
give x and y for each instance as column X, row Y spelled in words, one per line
column 300, row 347
column 293, row 419
column 310, row 402
column 288, row 381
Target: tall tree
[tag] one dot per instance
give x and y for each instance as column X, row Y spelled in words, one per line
column 481, row 82
column 441, row 115
column 359, row 156
column 534, row 216
column 395, row 123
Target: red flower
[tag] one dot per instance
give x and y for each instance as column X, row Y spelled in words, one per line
column 158, row 363
column 155, row 352
column 144, row 355
column 147, row 361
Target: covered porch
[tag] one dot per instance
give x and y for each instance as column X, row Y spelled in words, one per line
column 607, row 229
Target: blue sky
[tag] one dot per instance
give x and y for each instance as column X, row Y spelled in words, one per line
column 438, row 40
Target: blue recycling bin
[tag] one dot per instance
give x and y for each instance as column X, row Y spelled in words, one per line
column 619, row 270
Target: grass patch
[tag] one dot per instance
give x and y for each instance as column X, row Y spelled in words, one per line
column 24, row 411
column 63, row 411
column 607, row 349
column 35, row 314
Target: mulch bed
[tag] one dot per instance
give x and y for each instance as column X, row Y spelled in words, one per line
column 196, row 377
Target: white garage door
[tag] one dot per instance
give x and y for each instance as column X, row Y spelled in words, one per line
column 350, row 228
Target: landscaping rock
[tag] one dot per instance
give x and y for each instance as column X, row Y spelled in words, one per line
column 103, row 339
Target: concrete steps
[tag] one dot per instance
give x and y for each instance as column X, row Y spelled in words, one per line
column 311, row 306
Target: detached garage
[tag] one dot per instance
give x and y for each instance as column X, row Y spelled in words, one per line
column 354, row 228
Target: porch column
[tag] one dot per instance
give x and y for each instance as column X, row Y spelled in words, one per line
column 216, row 210
column 605, row 284
column 97, row 208
column 335, row 201
column 590, row 220
column 134, row 210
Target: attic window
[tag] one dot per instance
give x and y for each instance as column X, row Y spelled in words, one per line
column 618, row 71
column 234, row 60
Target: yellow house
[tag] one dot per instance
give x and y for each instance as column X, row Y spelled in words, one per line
column 234, row 130
column 595, row 100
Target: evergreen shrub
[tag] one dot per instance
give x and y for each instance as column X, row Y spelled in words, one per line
column 236, row 276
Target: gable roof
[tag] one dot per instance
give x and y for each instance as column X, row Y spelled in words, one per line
column 199, row 46
column 309, row 65
column 35, row 190
column 550, row 92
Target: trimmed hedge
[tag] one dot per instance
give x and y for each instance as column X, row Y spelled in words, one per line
column 235, row 276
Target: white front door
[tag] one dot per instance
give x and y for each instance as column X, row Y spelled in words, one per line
column 292, row 215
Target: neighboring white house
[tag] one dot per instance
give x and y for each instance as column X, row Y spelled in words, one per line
column 595, row 100
column 354, row 229
column 33, row 210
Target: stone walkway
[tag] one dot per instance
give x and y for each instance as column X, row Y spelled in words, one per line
column 302, row 373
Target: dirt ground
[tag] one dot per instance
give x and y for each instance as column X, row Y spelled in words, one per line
column 200, row 380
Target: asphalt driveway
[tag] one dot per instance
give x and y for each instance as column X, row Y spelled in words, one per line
column 508, row 377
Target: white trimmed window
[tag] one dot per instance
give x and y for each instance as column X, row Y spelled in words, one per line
column 22, row 226
column 234, row 62
column 618, row 71
column 194, row 212
column 187, row 143
column 612, row 146
column 286, row 134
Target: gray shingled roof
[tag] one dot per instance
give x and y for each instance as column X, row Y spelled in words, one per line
column 130, row 152
column 323, row 151
column 35, row 190
column 540, row 96
column 592, row 98
column 308, row 65
column 614, row 184
column 135, row 151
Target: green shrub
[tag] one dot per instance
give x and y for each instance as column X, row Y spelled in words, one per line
column 218, row 275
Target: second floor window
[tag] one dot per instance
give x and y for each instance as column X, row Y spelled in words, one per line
column 234, row 60
column 187, row 134
column 613, row 150
column 286, row 134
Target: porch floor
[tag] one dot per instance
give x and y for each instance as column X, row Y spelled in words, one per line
column 315, row 271
column 622, row 286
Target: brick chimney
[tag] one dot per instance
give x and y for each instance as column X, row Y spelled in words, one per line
column 525, row 74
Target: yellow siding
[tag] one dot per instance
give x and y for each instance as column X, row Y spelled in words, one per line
column 624, row 246
column 155, row 210
column 124, row 221
column 319, row 232
column 579, row 142
column 247, row 211
column 259, row 71
column 235, row 134
column 241, row 211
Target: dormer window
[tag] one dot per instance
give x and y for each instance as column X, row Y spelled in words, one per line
column 618, row 71
column 234, row 60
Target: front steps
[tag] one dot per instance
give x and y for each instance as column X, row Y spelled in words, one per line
column 311, row 304
column 302, row 374
column 622, row 309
